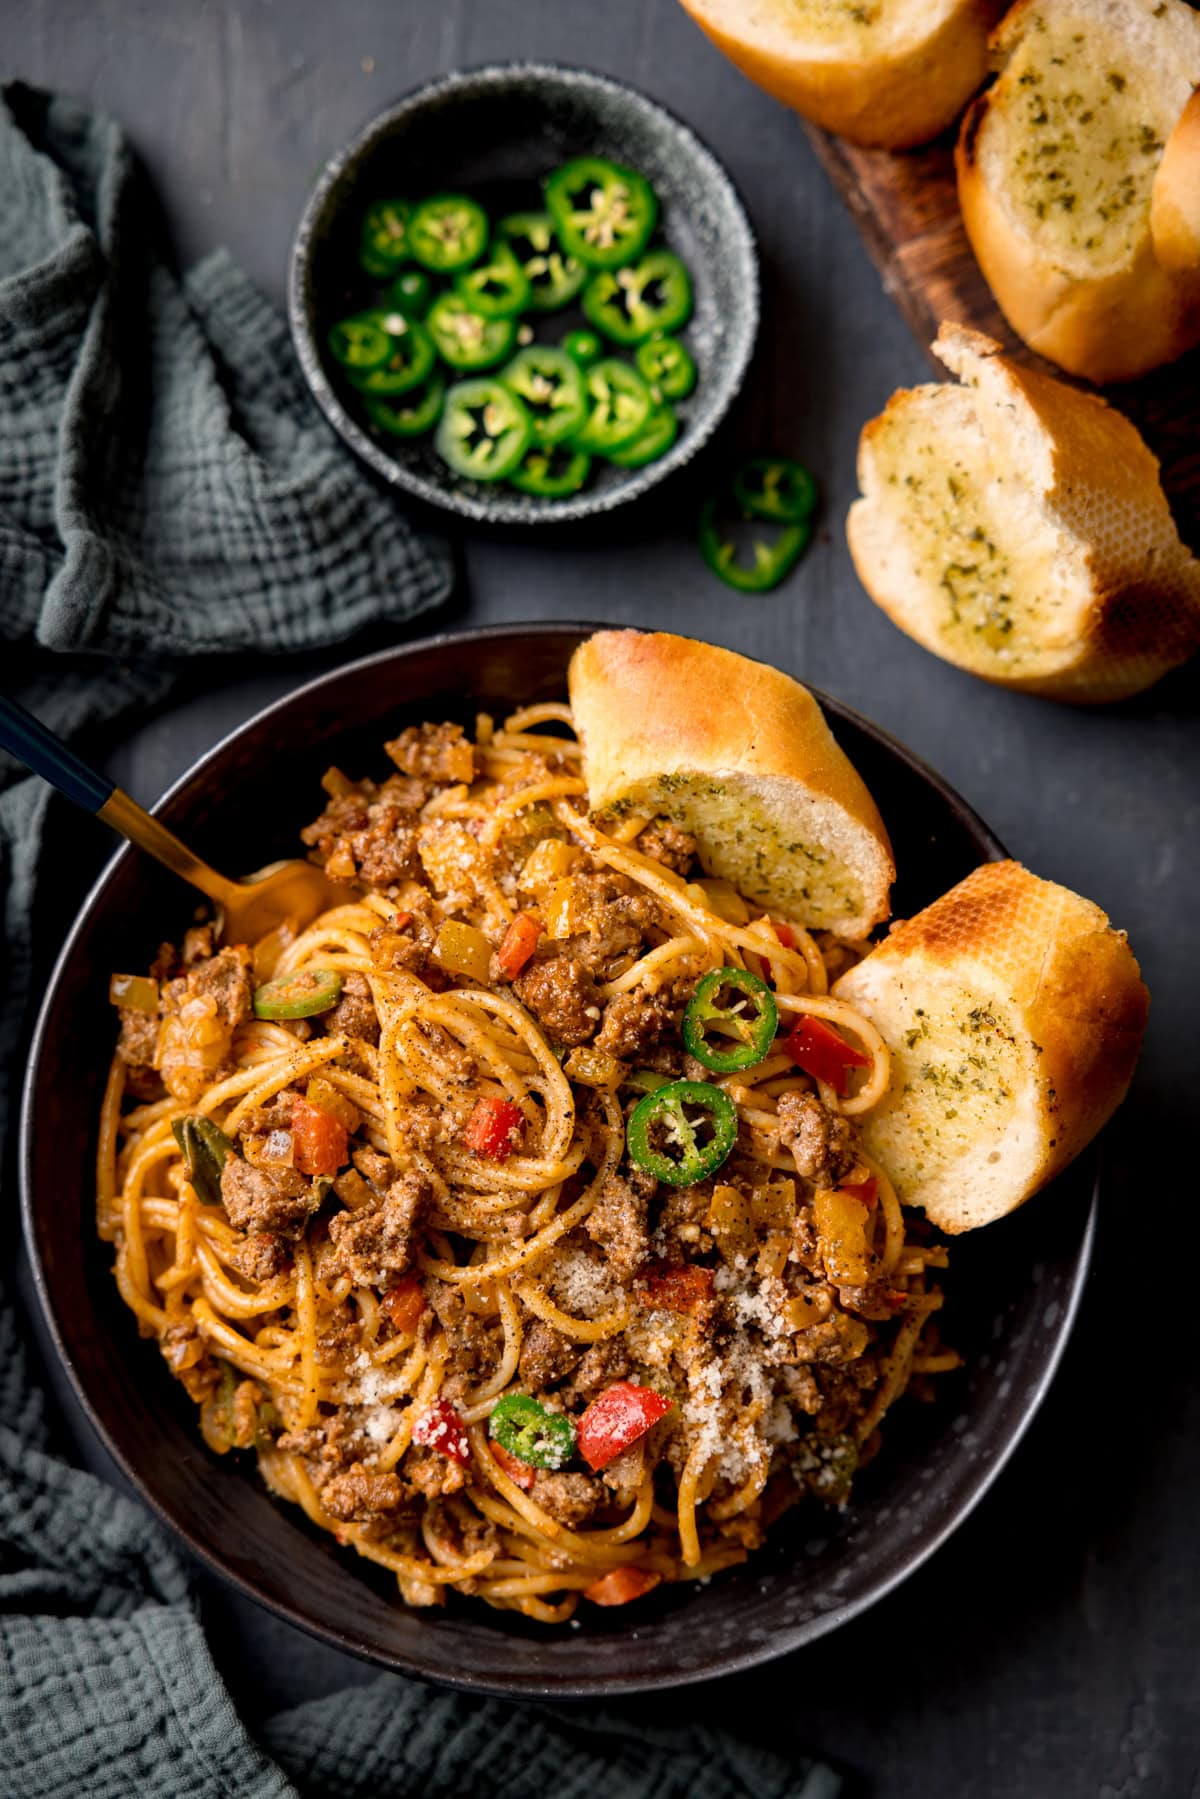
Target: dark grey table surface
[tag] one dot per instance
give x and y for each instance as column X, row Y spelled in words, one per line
column 1052, row 1646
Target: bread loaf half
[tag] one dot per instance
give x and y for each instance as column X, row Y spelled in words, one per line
column 741, row 756
column 1017, row 527
column 1079, row 179
column 1014, row 1014
column 886, row 72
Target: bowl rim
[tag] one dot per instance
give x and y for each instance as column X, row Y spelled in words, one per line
column 496, row 509
column 787, row 1639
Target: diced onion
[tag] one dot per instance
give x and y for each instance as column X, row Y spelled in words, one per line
column 137, row 991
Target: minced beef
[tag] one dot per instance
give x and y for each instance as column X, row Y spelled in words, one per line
column 354, row 1015
column 636, row 1022
column 362, row 1496
column 818, row 1139
column 546, row 1355
column 562, row 996
column 666, row 842
column 139, row 1037
column 431, row 1474
column 266, row 1199
column 601, row 1365
column 375, row 1242
column 262, row 1256
column 571, row 1498
column 225, row 978
column 617, row 1222
column 437, row 753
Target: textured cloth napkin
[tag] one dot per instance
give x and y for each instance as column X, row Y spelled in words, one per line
column 167, row 491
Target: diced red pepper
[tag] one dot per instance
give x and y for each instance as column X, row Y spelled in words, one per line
column 784, row 932
column 519, row 942
column 620, row 1585
column 867, row 1192
column 516, row 1470
column 822, row 1052
column 404, row 1302
column 621, row 1415
column 442, row 1428
column 676, row 1289
column 401, row 920
column 494, row 1128
column 319, row 1140
column 895, row 1298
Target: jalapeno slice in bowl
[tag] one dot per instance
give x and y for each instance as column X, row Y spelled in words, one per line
column 554, row 277
column 360, row 342
column 410, row 293
column 383, row 242
column 667, row 365
column 551, row 471
column 627, row 304
column 409, row 360
column 603, row 213
column 498, row 287
column 447, row 233
column 620, row 404
column 652, row 441
column 551, row 385
column 682, row 1131
column 410, row 414
column 583, row 347
column 485, row 430
column 464, row 337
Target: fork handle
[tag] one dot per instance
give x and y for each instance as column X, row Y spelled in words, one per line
column 47, row 755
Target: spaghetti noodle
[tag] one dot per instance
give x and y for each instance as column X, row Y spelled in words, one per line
column 361, row 1225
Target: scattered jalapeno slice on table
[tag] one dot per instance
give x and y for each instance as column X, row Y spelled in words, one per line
column 383, row 242
column 409, row 360
column 551, row 471
column 652, row 294
column 498, row 287
column 681, row 1132
column 447, row 233
column 531, row 1432
column 554, row 277
column 551, row 386
column 730, row 1021
column 300, row 995
column 619, row 402
column 410, row 414
column 604, row 214
column 775, row 487
column 652, row 441
column 484, row 431
column 410, row 293
column 464, row 338
column 666, row 365
column 583, row 347
column 771, row 558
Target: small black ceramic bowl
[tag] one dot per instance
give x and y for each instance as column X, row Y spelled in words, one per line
column 1011, row 1291
column 495, row 133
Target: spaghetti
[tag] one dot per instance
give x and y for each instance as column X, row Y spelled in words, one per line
column 361, row 1225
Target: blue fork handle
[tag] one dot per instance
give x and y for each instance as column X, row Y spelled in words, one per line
column 47, row 755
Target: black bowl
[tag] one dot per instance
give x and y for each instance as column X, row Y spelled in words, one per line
column 495, row 132
column 1011, row 1293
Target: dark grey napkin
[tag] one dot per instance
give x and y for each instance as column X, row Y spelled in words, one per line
column 166, row 490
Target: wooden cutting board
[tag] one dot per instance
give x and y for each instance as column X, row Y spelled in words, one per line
column 906, row 207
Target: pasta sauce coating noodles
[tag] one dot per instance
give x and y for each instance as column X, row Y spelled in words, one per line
column 388, row 1192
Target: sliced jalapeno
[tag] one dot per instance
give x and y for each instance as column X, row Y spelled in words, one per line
column 552, row 471
column 722, row 545
column 360, row 343
column 775, row 487
column 603, row 213
column 531, row 1432
column 410, row 414
column 667, row 365
column 464, row 338
column 682, row 1131
column 627, row 304
column 485, row 430
column 583, row 347
column 554, row 277
column 383, row 245
column 619, row 406
column 300, row 995
column 410, row 293
column 447, row 233
column 551, row 385
column 652, row 441
column 496, row 287
column 206, row 1149
column 730, row 1021
column 409, row 360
